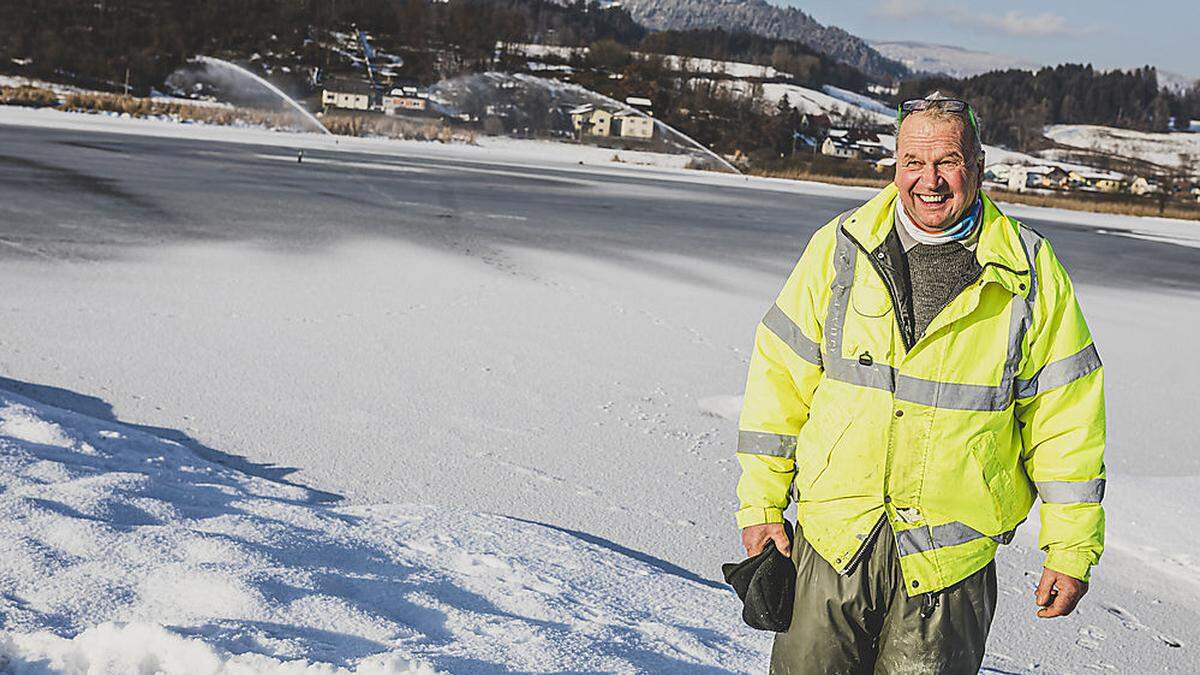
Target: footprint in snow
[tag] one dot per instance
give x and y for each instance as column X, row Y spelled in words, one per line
column 1090, row 637
column 1128, row 620
column 1176, row 644
column 1123, row 615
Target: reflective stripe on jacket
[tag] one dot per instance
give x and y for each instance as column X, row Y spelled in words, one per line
column 1000, row 401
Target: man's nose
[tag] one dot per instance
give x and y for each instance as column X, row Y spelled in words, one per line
column 930, row 178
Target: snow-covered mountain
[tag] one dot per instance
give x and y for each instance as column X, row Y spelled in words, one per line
column 763, row 18
column 949, row 60
column 928, row 57
column 1175, row 82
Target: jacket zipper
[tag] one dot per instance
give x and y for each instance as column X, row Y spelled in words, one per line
column 862, row 548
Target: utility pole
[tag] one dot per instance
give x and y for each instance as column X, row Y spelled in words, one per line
column 126, row 80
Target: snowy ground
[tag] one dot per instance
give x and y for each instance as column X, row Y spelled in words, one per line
column 111, row 533
column 518, row 373
column 1179, row 150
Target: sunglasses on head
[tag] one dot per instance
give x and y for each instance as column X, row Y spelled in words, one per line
column 952, row 105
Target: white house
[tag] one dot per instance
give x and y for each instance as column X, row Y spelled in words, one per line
column 632, row 124
column 589, row 120
column 997, row 173
column 405, row 98
column 1140, row 186
column 347, row 95
column 840, row 146
column 1021, row 178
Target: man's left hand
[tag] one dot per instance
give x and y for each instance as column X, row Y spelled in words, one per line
column 1058, row 593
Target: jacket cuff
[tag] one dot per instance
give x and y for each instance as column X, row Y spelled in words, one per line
column 1071, row 563
column 758, row 515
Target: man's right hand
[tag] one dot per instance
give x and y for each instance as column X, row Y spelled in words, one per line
column 756, row 537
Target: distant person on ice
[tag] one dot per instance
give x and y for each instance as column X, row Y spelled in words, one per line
column 924, row 375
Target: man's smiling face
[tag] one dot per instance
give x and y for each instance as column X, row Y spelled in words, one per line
column 936, row 170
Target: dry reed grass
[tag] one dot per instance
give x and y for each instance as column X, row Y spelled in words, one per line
column 147, row 107
column 33, row 97
column 362, row 124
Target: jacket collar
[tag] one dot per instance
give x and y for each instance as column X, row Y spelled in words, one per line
column 999, row 250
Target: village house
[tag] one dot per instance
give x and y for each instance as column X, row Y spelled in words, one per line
column 1022, row 178
column 997, row 174
column 1097, row 181
column 408, row 98
column 632, row 124
column 872, row 149
column 590, row 120
column 347, row 94
column 815, row 124
column 1141, row 187
column 853, row 144
column 840, row 146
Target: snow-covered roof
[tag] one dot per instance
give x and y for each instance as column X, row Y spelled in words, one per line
column 1041, row 170
column 347, row 87
column 638, row 100
column 1097, row 174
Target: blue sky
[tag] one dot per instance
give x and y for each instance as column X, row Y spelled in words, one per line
column 1106, row 33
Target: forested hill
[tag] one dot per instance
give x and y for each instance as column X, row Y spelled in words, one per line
column 762, row 18
column 100, row 43
column 1016, row 104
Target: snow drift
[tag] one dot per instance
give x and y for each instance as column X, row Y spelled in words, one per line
column 124, row 552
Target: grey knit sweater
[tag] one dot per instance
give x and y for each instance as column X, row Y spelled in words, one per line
column 937, row 274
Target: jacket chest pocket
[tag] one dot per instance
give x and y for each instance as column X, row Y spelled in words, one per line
column 871, row 301
column 869, row 330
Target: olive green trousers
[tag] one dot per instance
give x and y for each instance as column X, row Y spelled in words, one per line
column 864, row 622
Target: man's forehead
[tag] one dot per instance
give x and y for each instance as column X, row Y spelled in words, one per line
column 925, row 132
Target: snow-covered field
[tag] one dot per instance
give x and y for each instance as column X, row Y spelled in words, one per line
column 1179, row 150
column 534, row 446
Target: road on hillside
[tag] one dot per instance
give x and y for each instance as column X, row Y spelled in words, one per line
column 81, row 195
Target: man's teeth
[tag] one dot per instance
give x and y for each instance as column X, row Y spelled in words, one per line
column 933, row 199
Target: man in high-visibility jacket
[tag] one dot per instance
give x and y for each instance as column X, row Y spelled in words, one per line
column 924, row 375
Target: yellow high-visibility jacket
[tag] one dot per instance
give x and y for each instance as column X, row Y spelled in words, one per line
column 949, row 442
